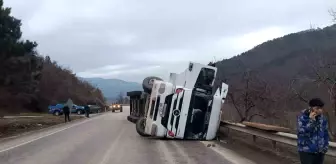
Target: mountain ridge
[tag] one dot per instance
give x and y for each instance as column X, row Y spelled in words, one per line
column 112, row 88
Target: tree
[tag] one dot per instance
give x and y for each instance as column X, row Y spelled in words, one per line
column 297, row 88
column 250, row 97
column 323, row 75
column 20, row 65
column 120, row 98
column 333, row 14
column 31, row 82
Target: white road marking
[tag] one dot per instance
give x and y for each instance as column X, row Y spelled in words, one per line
column 229, row 154
column 49, row 134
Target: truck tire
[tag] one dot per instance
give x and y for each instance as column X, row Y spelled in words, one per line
column 140, row 127
column 147, row 83
column 121, row 109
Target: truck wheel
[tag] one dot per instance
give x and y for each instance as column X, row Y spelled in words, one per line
column 147, row 83
column 121, row 110
column 113, row 110
column 140, row 127
column 79, row 112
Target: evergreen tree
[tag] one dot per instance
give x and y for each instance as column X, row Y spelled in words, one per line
column 20, row 66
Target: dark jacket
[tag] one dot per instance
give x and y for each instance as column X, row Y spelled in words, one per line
column 312, row 134
column 66, row 109
column 87, row 108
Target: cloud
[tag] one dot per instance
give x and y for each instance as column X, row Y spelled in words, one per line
column 91, row 36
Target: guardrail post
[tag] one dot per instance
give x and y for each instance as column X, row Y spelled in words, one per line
column 274, row 144
column 254, row 138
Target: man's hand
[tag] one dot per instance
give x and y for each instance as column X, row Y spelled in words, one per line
column 312, row 115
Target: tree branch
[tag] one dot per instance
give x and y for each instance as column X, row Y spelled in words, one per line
column 297, row 94
column 231, row 96
column 333, row 14
column 257, row 114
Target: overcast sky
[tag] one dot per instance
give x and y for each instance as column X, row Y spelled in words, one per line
column 131, row 39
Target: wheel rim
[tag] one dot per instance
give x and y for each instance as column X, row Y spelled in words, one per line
column 79, row 112
column 56, row 113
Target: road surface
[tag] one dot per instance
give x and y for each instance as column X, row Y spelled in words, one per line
column 108, row 139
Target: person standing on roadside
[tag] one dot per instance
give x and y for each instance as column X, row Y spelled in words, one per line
column 87, row 111
column 312, row 132
column 66, row 111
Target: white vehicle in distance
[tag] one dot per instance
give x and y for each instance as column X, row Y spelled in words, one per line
column 186, row 107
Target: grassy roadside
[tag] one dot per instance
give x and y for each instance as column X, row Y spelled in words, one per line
column 14, row 126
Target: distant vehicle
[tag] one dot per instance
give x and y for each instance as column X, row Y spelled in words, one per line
column 95, row 108
column 117, row 107
column 56, row 109
column 188, row 106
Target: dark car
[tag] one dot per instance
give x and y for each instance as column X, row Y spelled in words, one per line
column 95, row 108
column 77, row 109
column 56, row 109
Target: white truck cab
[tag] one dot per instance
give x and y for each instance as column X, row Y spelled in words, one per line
column 187, row 106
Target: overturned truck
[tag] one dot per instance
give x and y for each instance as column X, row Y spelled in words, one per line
column 188, row 106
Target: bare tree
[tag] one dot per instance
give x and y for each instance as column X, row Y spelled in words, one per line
column 333, row 14
column 324, row 74
column 250, row 97
column 296, row 86
column 120, row 98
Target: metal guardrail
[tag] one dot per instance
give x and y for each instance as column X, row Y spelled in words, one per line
column 285, row 138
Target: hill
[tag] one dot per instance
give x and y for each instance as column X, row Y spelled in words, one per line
column 111, row 88
column 278, row 53
column 272, row 82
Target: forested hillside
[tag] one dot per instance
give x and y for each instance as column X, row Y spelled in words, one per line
column 30, row 82
column 272, row 82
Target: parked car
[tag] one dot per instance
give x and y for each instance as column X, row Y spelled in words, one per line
column 56, row 109
column 94, row 108
column 77, row 109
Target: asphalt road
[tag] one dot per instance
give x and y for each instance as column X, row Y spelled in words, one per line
column 108, row 139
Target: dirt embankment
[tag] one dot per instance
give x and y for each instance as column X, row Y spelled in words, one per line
column 17, row 124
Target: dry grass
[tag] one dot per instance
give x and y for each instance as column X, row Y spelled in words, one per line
column 13, row 126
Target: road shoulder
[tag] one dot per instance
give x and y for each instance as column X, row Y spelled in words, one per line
column 24, row 138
